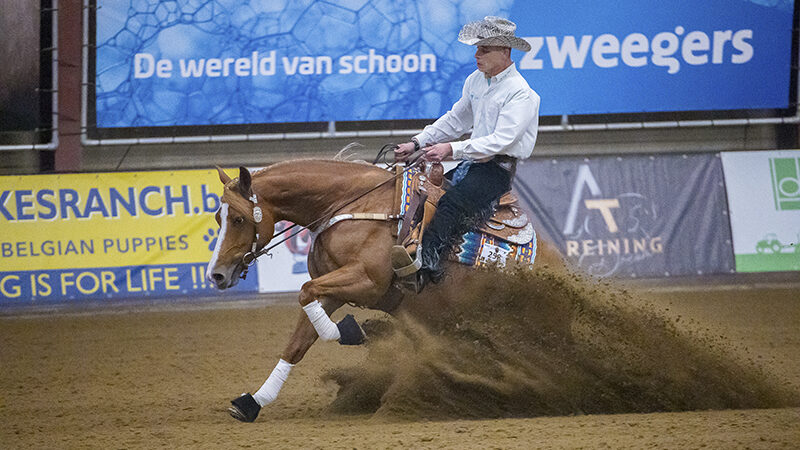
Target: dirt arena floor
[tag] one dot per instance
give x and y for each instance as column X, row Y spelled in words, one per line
column 161, row 376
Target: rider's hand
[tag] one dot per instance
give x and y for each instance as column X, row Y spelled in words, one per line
column 438, row 152
column 403, row 151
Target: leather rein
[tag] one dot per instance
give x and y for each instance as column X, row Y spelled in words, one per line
column 249, row 258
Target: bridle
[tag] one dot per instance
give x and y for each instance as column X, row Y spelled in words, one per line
column 249, row 258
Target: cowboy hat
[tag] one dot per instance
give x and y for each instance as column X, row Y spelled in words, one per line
column 492, row 31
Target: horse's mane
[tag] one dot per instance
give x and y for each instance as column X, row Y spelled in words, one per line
column 306, row 163
column 240, row 203
column 342, row 156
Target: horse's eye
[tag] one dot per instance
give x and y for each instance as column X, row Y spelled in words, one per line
column 239, row 220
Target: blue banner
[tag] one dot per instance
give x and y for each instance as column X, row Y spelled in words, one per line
column 181, row 63
column 66, row 285
column 632, row 216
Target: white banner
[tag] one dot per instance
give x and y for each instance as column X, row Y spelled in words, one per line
column 285, row 268
column 764, row 201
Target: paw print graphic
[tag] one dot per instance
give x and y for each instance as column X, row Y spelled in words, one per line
column 211, row 238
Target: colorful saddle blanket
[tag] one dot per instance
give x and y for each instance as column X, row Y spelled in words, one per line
column 507, row 236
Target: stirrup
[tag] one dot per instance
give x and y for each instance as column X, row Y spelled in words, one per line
column 406, row 269
column 402, row 264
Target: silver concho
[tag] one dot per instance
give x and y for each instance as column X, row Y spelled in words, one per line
column 517, row 221
column 523, row 237
column 495, row 225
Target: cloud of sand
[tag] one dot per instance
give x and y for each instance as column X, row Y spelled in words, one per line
column 527, row 344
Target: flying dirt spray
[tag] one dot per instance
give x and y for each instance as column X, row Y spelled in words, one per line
column 535, row 343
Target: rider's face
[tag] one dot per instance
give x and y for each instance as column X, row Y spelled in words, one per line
column 492, row 59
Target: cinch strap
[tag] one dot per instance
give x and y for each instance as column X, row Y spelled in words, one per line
column 356, row 216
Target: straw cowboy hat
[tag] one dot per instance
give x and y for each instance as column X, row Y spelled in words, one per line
column 492, row 31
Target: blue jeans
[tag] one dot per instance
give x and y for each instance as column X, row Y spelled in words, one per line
column 464, row 206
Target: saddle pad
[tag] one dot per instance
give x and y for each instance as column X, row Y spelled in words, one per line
column 477, row 248
column 480, row 249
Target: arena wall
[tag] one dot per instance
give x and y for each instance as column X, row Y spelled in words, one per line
column 68, row 238
column 754, row 134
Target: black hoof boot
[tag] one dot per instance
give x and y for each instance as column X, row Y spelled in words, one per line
column 245, row 408
column 351, row 333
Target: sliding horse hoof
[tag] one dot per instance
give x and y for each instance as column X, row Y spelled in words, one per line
column 245, row 408
column 351, row 333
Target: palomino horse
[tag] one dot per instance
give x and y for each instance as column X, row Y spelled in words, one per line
column 350, row 259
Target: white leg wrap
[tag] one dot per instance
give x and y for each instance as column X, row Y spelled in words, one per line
column 269, row 390
column 326, row 329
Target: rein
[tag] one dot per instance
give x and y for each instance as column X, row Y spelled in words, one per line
column 249, row 258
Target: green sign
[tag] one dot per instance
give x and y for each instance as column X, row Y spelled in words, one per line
column 785, row 182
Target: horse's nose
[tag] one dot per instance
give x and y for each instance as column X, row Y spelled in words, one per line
column 218, row 278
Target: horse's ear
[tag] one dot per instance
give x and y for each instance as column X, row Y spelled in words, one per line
column 244, row 182
column 223, row 177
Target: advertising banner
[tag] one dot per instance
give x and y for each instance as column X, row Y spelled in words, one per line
column 632, row 216
column 285, row 269
column 108, row 235
column 161, row 64
column 764, row 198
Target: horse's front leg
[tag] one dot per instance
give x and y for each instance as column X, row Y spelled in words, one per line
column 319, row 297
column 350, row 283
column 247, row 406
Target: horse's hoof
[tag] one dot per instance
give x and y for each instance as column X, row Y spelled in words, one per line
column 245, row 408
column 351, row 333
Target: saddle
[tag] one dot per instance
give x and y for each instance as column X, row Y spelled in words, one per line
column 508, row 221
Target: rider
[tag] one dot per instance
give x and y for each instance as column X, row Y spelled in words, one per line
column 502, row 111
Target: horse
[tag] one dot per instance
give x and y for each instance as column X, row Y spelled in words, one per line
column 349, row 261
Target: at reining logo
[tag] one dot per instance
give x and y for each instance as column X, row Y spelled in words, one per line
column 785, row 174
column 605, row 233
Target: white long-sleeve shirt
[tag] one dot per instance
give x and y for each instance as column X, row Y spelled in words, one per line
column 502, row 111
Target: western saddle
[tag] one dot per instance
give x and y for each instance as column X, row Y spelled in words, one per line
column 423, row 191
